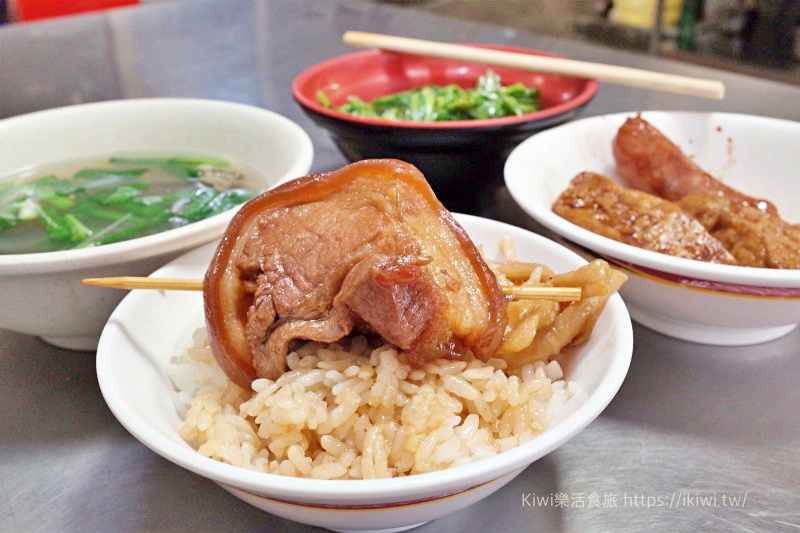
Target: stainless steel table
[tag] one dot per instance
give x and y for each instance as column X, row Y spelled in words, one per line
column 716, row 430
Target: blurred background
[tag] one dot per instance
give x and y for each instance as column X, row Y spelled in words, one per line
column 756, row 37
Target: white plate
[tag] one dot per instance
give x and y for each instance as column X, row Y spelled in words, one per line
column 150, row 327
column 701, row 302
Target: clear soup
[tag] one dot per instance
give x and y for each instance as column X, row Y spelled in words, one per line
column 87, row 203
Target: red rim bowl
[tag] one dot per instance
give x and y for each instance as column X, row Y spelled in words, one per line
column 462, row 160
column 372, row 73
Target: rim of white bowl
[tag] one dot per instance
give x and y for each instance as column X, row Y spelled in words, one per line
column 401, row 488
column 164, row 241
column 751, row 276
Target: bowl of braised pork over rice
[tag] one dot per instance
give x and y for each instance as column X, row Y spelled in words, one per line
column 359, row 413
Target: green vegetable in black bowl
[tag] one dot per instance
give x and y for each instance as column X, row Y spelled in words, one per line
column 114, row 199
column 432, row 103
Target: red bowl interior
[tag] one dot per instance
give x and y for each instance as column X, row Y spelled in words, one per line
column 373, row 73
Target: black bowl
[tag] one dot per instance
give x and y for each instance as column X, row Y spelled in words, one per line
column 462, row 160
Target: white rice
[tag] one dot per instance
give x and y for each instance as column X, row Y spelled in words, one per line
column 346, row 411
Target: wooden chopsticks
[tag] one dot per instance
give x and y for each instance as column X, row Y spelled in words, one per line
column 608, row 73
column 559, row 294
column 133, row 282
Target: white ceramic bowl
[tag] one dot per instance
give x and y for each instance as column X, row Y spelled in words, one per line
column 42, row 294
column 150, row 327
column 690, row 300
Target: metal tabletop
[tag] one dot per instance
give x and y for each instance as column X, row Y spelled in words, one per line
column 698, row 438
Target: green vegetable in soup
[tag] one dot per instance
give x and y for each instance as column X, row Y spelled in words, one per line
column 114, row 199
column 434, row 103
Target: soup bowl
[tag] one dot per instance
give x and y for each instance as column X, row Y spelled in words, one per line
column 42, row 292
column 149, row 328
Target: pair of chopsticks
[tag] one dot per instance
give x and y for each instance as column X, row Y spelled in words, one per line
column 582, row 69
column 558, row 294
